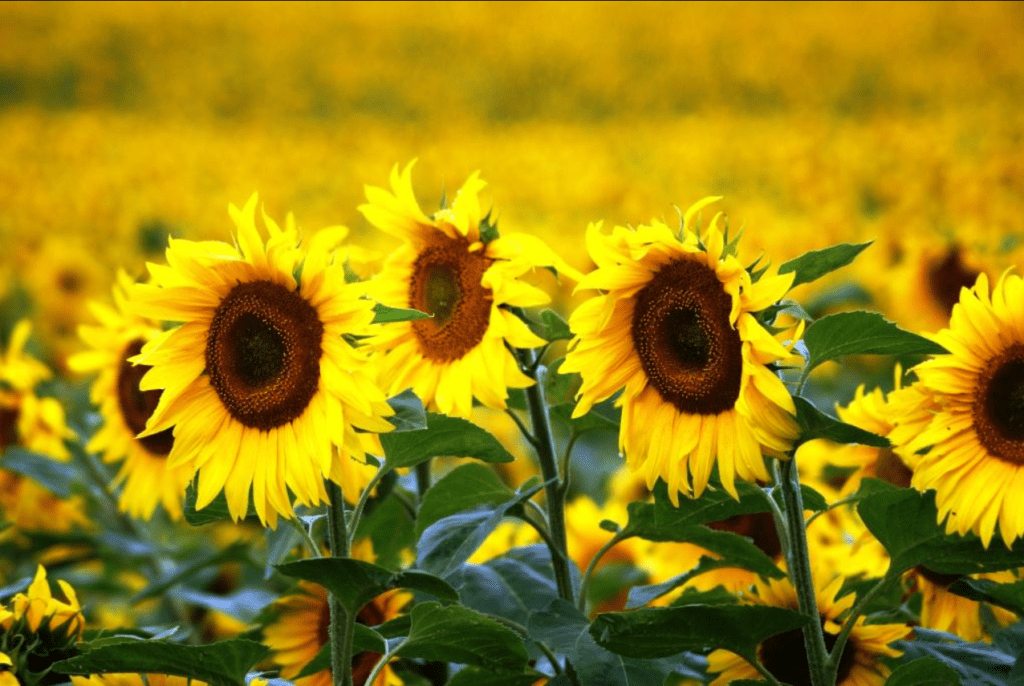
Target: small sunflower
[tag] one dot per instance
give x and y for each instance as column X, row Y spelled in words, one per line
column 302, row 629
column 261, row 382
column 872, row 412
column 675, row 329
column 126, row 409
column 945, row 611
column 453, row 266
column 784, row 655
column 973, row 414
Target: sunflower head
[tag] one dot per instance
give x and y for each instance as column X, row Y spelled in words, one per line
column 262, row 382
column 968, row 420
column 38, row 630
column 675, row 328
column 454, row 266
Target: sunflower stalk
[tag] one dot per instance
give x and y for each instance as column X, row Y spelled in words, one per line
column 540, row 421
column 343, row 623
column 851, row 621
column 799, row 566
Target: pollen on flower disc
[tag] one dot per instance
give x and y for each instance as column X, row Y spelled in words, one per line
column 998, row 408
column 136, row 405
column 263, row 354
column 687, row 346
column 8, row 426
column 445, row 282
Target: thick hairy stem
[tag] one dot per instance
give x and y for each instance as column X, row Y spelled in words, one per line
column 343, row 622
column 554, row 494
column 799, row 564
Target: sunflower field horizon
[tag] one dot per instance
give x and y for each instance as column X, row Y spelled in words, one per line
column 511, row 344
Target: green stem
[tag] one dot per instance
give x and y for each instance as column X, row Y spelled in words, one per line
column 587, row 575
column 343, row 622
column 381, row 664
column 851, row 620
column 357, row 512
column 307, row 539
column 799, row 564
column 540, row 422
column 423, row 478
column 803, row 380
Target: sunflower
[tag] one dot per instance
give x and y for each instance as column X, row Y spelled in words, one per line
column 675, row 329
column 784, row 655
column 126, row 409
column 303, row 625
column 453, row 266
column 262, row 382
column 973, row 440
column 37, row 424
column 7, row 676
column 851, row 464
column 946, row 611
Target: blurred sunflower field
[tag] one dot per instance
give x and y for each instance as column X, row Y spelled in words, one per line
column 508, row 344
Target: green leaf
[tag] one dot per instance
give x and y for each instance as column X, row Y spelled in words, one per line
column 926, row 671
column 666, row 631
column 449, row 542
column 1009, row 596
column 458, row 634
column 591, row 421
column 977, row 664
column 465, row 487
column 55, row 476
column 355, row 583
column 566, row 631
column 816, row 424
column 862, row 333
column 443, row 437
column 219, row 664
column 905, row 522
column 640, row 596
column 409, row 413
column 390, row 527
column 552, row 327
column 475, row 676
column 382, row 314
column 660, row 520
column 815, row 264
column 735, row 550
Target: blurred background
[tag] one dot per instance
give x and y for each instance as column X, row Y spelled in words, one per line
column 123, row 123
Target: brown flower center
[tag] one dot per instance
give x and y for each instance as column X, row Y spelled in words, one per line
column 8, row 427
column 891, row 469
column 687, row 346
column 445, row 282
column 263, row 354
column 760, row 527
column 785, row 657
column 947, row 276
column 137, row 406
column 364, row 662
column 998, row 408
column 69, row 282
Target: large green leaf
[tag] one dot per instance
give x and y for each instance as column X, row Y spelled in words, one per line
column 458, row 634
column 552, row 327
column 817, row 263
column 665, row 631
column 904, row 521
column 355, row 583
column 55, row 476
column 565, row 630
column 926, row 671
column 409, row 413
column 977, row 664
column 660, row 519
column 447, row 543
column 862, row 333
column 816, row 424
column 219, row 664
column 464, row 487
column 382, row 314
column 443, row 437
column 475, row 676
